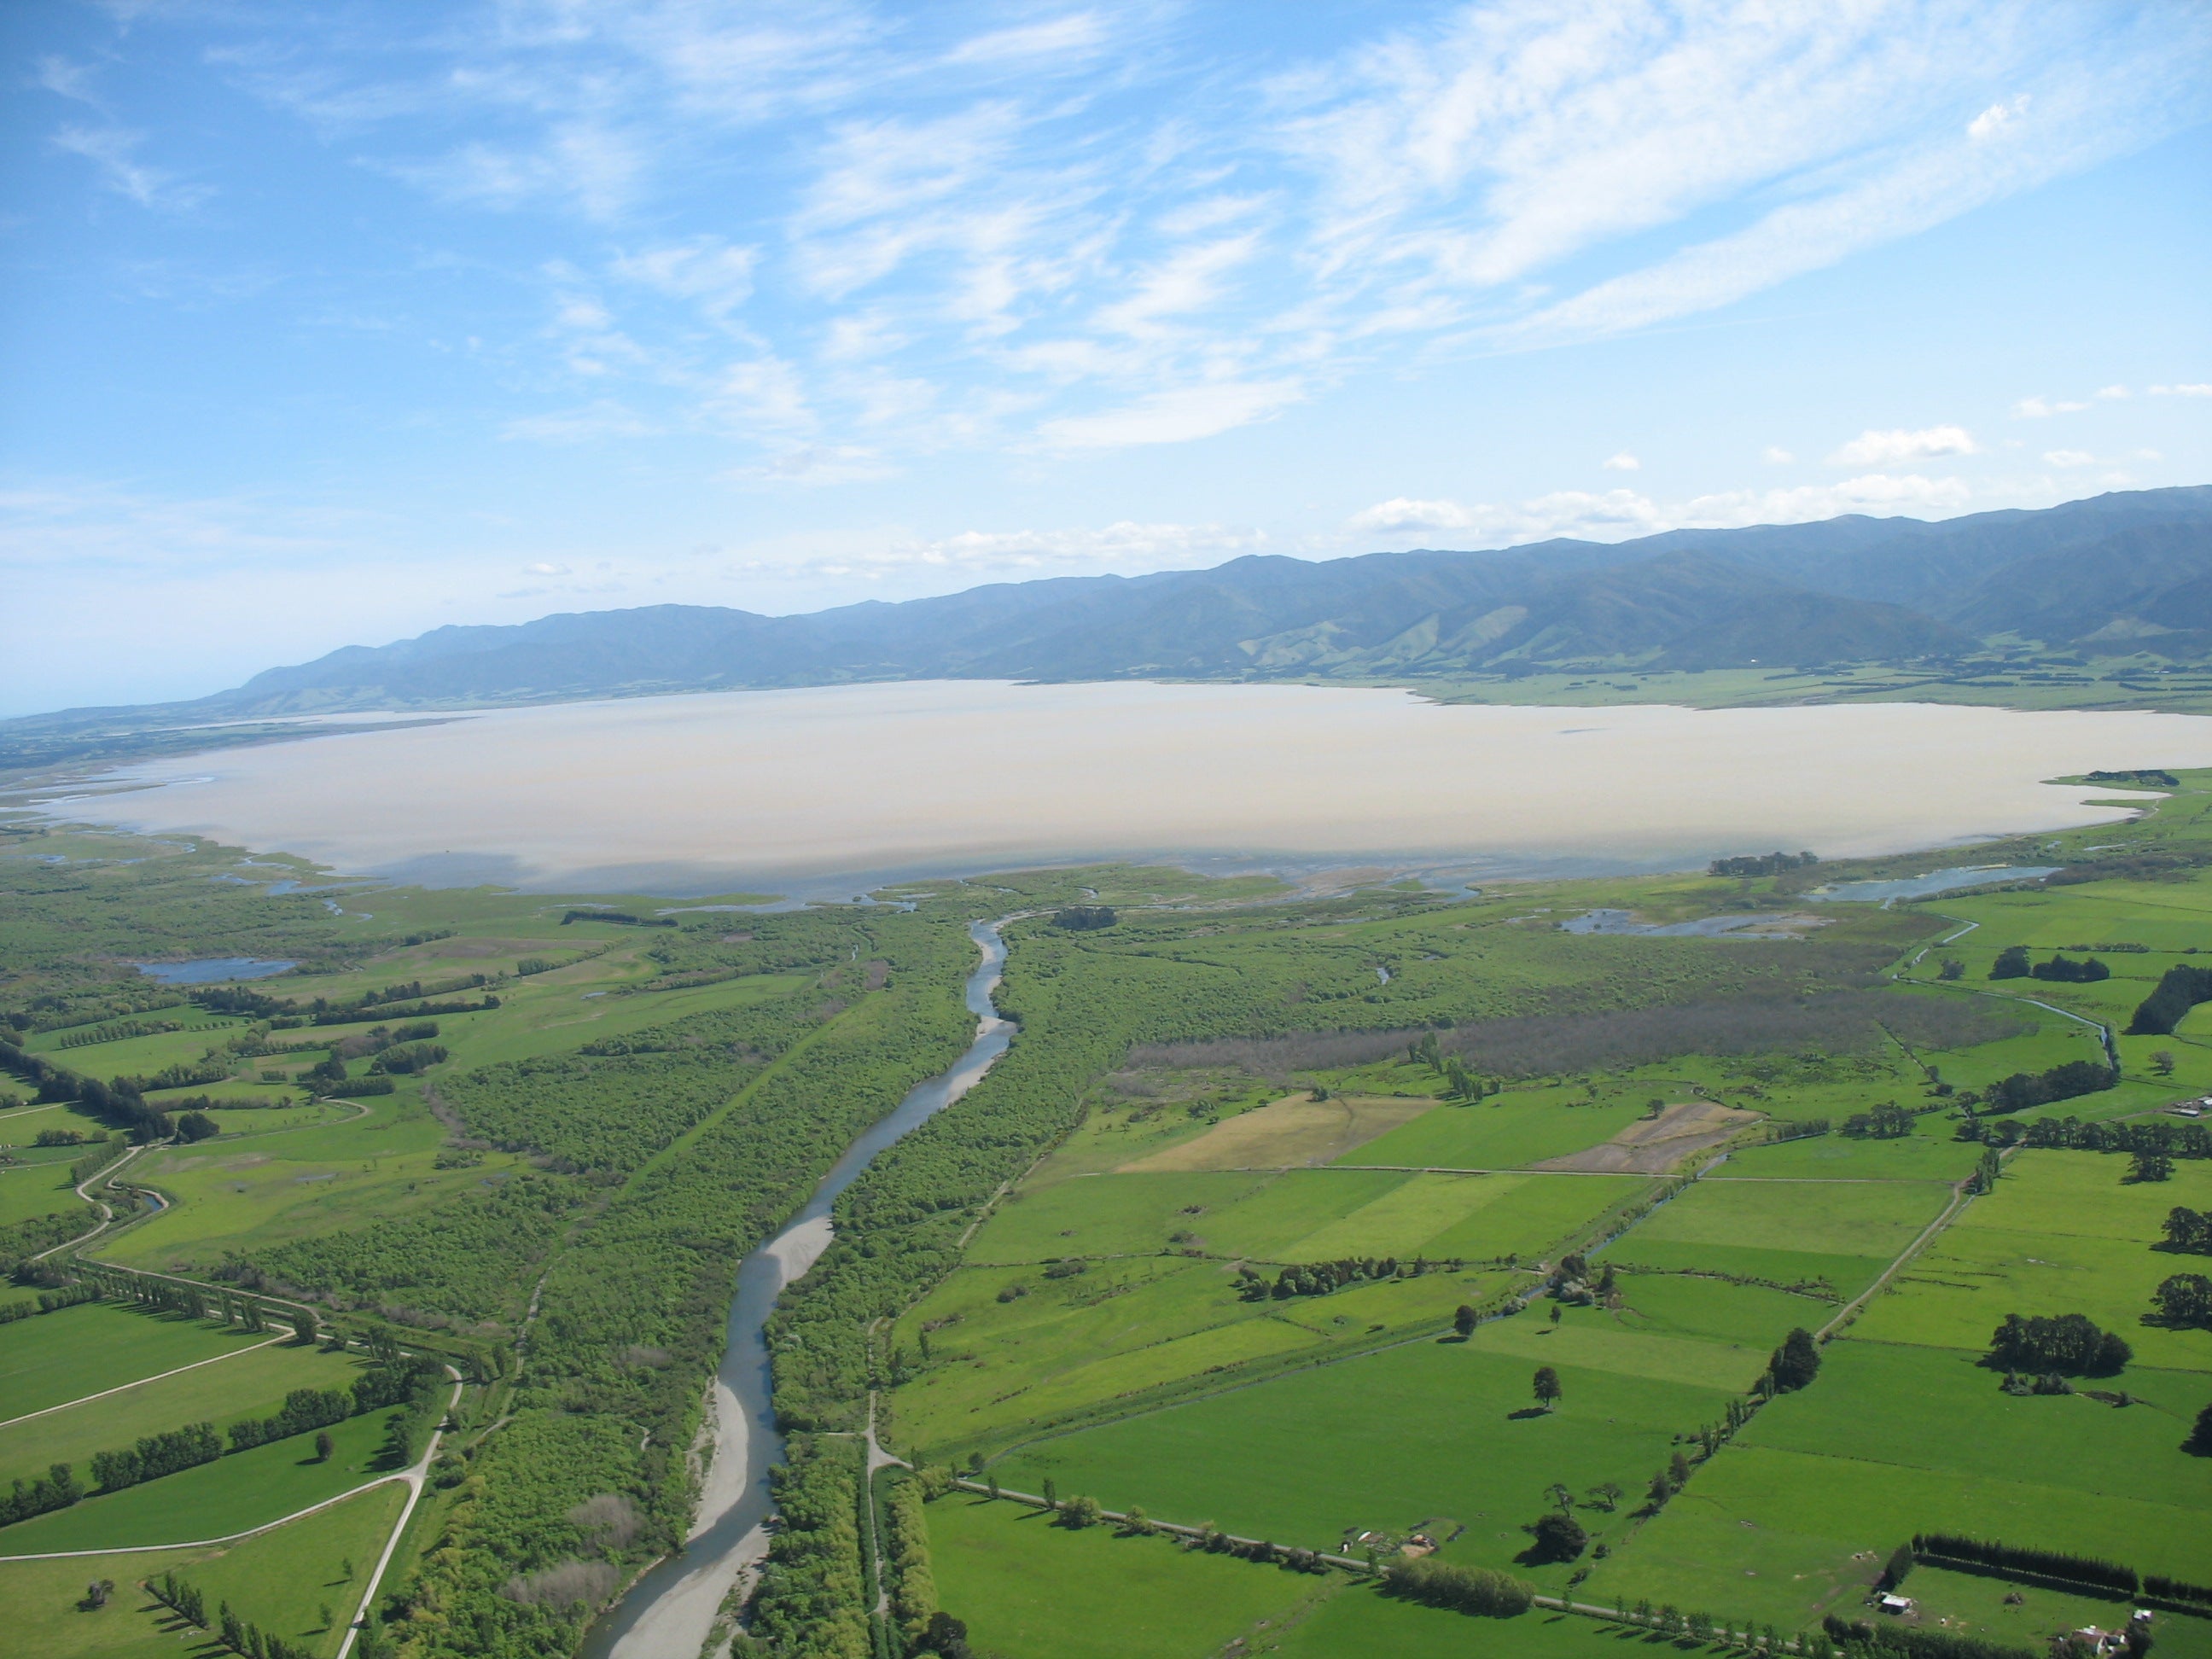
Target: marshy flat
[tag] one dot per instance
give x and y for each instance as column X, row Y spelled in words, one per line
column 825, row 790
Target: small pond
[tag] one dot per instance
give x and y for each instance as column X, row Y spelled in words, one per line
column 211, row 971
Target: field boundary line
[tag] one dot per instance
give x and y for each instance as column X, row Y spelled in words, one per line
column 414, row 1477
column 107, row 1172
column 1960, row 1199
column 178, row 1372
column 228, row 1538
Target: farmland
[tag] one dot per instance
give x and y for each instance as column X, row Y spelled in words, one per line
column 1271, row 1218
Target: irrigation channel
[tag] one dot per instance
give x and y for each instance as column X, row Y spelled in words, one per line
column 670, row 1610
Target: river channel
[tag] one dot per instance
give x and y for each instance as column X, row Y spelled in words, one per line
column 669, row 1612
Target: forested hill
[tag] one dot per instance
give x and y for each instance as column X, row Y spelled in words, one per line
column 2115, row 575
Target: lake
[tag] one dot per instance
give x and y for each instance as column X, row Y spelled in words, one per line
column 821, row 791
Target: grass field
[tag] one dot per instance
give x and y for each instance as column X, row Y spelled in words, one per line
column 1904, row 1431
column 280, row 1580
column 2061, row 1234
column 56, row 1358
column 1359, row 1622
column 1785, row 1231
column 38, row 1189
column 1032, row 1590
column 214, row 1500
column 270, row 1186
column 251, row 1383
column 1432, row 1432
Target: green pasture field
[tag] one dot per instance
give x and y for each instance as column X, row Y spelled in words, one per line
column 38, row 1189
column 1627, row 1346
column 263, row 1120
column 2061, row 1234
column 1296, row 1215
column 280, row 1580
column 1684, row 1304
column 1975, row 1605
column 248, row 1088
column 1789, row 1536
column 1435, row 1432
column 200, row 1028
column 1930, row 1153
column 50, row 1359
column 1028, row 1590
column 214, row 1500
column 1786, row 1231
column 251, row 1383
column 1120, row 1330
column 1961, row 1423
column 264, row 1189
column 1361, row 1622
column 43, row 1156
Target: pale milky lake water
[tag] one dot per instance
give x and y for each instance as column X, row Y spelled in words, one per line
column 821, row 790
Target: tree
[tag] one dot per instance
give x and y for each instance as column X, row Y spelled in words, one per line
column 96, row 1594
column 1463, row 1320
column 2150, row 1166
column 1562, row 1495
column 2161, row 1062
column 1545, row 1383
column 1951, row 968
column 1796, row 1363
column 945, row 1635
column 1051, row 1493
column 323, row 1446
column 197, row 1125
column 328, row 1617
column 2200, row 1437
column 2011, row 964
column 1558, row 1537
column 1608, row 1494
column 2185, row 1300
column 1555, row 1313
column 303, row 1327
column 1080, row 1512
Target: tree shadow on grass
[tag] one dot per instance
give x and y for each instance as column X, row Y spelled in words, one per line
column 1525, row 1414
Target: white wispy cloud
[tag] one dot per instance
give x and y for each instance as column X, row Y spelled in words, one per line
column 1061, row 228
column 1173, row 417
column 1899, row 447
column 1623, row 462
column 2068, row 458
column 2197, row 389
column 113, row 151
column 2040, row 408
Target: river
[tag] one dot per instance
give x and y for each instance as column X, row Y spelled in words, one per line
column 668, row 1613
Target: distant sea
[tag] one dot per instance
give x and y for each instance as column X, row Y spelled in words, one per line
column 823, row 792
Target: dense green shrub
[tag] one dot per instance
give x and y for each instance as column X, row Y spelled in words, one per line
column 1463, row 1589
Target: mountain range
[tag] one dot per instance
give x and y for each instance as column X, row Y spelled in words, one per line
column 2113, row 576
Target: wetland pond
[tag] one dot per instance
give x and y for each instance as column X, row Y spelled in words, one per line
column 821, row 791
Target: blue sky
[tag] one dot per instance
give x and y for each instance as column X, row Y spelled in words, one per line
column 327, row 324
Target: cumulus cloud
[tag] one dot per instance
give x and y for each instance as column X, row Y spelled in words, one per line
column 2112, row 391
column 1618, row 514
column 1899, row 447
column 1623, row 462
column 1404, row 512
column 1996, row 118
